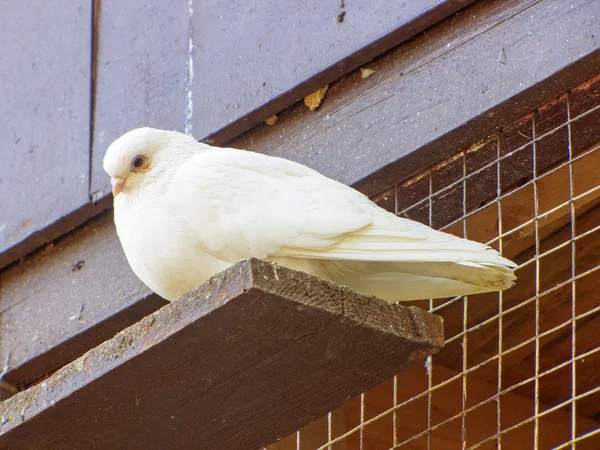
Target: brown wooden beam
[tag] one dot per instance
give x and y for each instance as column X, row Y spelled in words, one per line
column 440, row 92
column 67, row 299
column 250, row 356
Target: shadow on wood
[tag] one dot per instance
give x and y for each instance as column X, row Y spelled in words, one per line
column 244, row 360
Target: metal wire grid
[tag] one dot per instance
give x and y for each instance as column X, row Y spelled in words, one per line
column 425, row 438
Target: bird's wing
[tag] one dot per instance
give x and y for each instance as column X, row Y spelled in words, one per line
column 244, row 204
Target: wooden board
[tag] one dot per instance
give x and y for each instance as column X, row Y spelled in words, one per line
column 253, row 354
column 45, row 111
column 67, row 299
column 355, row 133
column 140, row 73
column 217, row 69
column 440, row 92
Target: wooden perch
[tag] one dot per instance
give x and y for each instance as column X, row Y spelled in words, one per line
column 242, row 361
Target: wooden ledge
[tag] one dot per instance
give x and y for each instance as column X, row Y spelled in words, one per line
column 250, row 356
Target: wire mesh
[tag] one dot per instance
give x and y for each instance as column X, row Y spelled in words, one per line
column 521, row 368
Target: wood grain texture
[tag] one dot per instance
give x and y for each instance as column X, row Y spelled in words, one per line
column 44, row 110
column 316, row 434
column 443, row 89
column 217, row 69
column 253, row 354
column 140, row 79
column 273, row 54
column 439, row 92
column 42, row 323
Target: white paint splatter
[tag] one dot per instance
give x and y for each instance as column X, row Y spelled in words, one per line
column 189, row 79
column 428, row 365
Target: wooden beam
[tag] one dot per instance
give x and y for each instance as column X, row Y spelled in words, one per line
column 218, row 69
column 250, row 356
column 365, row 125
column 45, row 132
column 442, row 91
column 201, row 72
column 67, row 299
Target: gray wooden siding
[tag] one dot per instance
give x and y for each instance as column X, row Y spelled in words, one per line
column 45, row 51
column 71, row 70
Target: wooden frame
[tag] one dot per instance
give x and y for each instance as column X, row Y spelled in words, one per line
column 446, row 89
column 451, row 74
column 247, row 358
column 146, row 60
column 109, row 290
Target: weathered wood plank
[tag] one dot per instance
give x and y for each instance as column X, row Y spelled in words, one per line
column 440, row 92
column 245, row 359
column 275, row 56
column 357, row 122
column 67, row 299
column 217, row 69
column 471, row 37
column 45, row 107
column 140, row 73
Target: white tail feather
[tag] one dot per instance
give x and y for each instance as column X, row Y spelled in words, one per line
column 422, row 280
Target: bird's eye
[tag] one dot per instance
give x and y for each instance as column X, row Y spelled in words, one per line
column 137, row 161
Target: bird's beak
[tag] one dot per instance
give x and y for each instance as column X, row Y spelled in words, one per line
column 117, row 185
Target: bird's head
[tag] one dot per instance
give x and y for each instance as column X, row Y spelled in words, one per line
column 141, row 154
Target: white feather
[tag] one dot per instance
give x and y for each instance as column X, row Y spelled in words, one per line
column 197, row 209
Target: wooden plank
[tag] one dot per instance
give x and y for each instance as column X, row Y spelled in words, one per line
column 253, row 354
column 44, row 105
column 273, row 57
column 435, row 95
column 219, row 69
column 67, row 299
column 363, row 118
column 140, row 73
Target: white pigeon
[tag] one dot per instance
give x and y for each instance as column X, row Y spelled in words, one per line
column 185, row 210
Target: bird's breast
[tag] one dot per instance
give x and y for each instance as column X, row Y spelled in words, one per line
column 164, row 253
